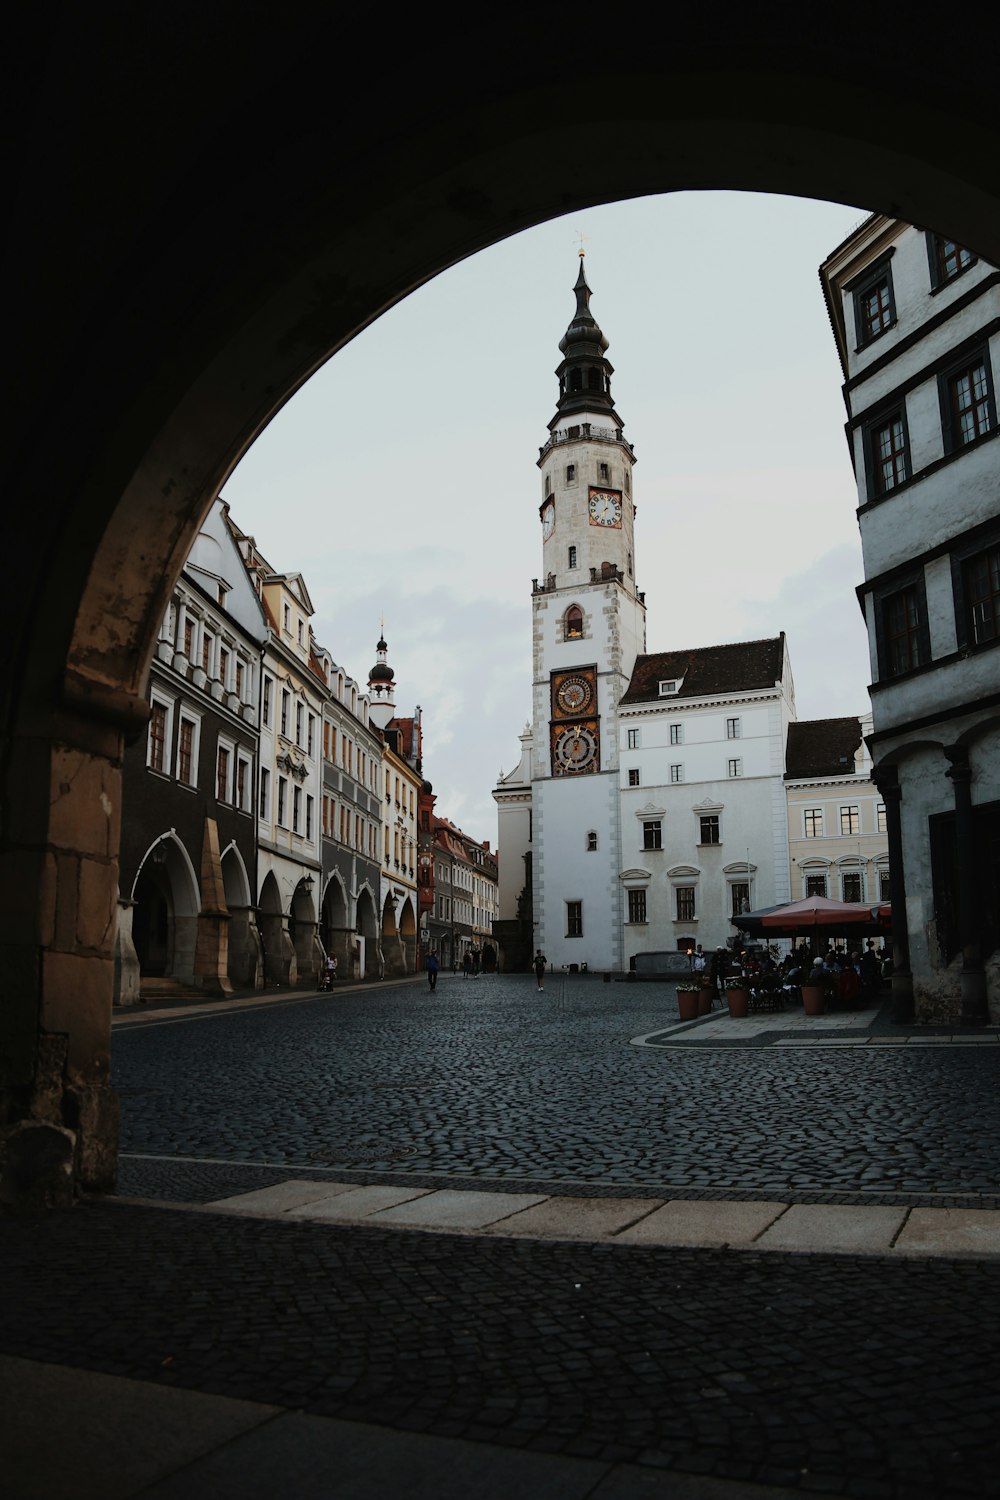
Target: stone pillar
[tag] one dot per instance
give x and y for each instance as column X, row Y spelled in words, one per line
column 127, row 977
column 886, row 778
column 58, row 921
column 211, row 958
column 975, row 1011
column 246, row 952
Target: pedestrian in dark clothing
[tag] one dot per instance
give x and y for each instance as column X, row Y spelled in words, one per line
column 432, row 970
column 538, row 964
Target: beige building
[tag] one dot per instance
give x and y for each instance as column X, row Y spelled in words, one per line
column 837, row 840
column 401, row 780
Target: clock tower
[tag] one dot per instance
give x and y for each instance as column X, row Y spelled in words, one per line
column 589, row 624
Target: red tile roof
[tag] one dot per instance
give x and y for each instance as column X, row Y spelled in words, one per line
column 705, row 670
column 822, row 747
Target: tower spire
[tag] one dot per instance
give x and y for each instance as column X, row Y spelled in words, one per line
column 585, row 373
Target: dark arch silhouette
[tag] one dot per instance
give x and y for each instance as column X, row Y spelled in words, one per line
column 183, row 261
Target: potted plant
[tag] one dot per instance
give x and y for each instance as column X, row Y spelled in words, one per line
column 737, row 996
column 688, row 991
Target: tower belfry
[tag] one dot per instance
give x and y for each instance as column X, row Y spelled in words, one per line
column 589, row 626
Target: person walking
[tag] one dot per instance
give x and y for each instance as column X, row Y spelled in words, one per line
column 538, row 964
column 432, row 970
column 466, row 964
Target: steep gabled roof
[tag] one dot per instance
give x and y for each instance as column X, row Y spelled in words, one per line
column 822, row 747
column 741, row 666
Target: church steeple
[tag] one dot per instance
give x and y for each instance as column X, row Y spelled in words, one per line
column 584, row 374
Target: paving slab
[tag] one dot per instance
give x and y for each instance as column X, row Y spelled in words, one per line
column 357, row 1203
column 77, row 1435
column 701, row 1223
column 292, row 1193
column 834, row 1227
column 313, row 1458
column 950, row 1231
column 576, row 1218
column 448, row 1209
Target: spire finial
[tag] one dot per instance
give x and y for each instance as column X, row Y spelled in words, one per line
column 582, row 238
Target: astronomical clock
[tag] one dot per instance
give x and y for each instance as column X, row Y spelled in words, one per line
column 575, row 728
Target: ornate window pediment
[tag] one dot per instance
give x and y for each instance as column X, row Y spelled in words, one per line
column 635, row 876
column 708, row 806
column 683, row 872
column 649, row 811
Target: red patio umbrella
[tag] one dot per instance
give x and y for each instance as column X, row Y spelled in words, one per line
column 817, row 911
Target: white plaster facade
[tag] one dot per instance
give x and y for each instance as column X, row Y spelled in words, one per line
column 917, row 324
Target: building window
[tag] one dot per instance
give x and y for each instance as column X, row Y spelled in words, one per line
column 903, row 633
column 571, row 473
column 739, row 896
column 301, row 641
column 652, row 834
column 735, row 768
column 591, row 843
column 676, row 774
column 573, row 623
column 574, row 919
column 311, row 735
column 637, row 906
column 266, row 705
column 633, row 739
column 815, row 885
column 604, row 471
column 852, row 887
column 633, row 776
column 284, row 711
column 884, row 886
column 708, row 829
column 850, row 822
column 156, row 752
column 677, row 734
column 668, row 686
column 224, row 666
column 222, row 775
column 206, row 653
column 572, row 557
column 968, row 400
column 947, row 260
column 812, row 823
column 296, row 808
column 287, row 617
column 880, row 823
column 239, row 680
column 888, row 457
column 732, row 729
column 265, row 794
column 186, row 752
column 189, row 637
column 299, row 716
column 283, row 801
column 685, row 903
column 309, row 817
column 874, row 309
column 981, row 581
column 242, row 783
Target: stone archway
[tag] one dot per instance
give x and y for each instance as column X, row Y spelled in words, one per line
column 407, row 924
column 166, row 902
column 303, row 930
column 148, row 357
column 366, row 942
column 279, row 952
column 246, row 953
column 336, row 933
column 393, row 952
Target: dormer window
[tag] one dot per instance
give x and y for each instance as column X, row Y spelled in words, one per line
column 668, row 687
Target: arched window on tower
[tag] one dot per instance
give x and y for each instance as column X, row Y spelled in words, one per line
column 576, row 380
column 574, row 623
column 594, row 378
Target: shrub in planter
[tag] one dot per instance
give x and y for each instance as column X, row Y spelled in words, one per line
column 738, row 998
column 688, row 992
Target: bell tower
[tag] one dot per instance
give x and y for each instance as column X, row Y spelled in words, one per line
column 589, row 624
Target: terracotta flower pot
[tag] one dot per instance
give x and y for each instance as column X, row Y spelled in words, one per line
column 739, row 1000
column 813, row 999
column 687, row 1004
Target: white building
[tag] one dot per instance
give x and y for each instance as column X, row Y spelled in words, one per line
column 838, row 844
column 632, row 840
column 917, row 324
column 704, row 825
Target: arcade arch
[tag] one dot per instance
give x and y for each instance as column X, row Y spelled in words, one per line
column 194, row 341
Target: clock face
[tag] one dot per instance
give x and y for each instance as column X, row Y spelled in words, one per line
column 605, row 508
column 574, row 695
column 575, row 750
column 548, row 520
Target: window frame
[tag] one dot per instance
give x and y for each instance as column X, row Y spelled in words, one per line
column 971, row 360
column 875, row 486
column 264, row 795
column 637, row 909
column 163, row 701
column 962, row 562
column 632, row 739
column 185, row 716
column 851, row 812
column 734, row 768
column 936, row 260
column 652, row 833
column 715, row 825
column 633, row 775
column 677, row 773
column 813, row 815
column 685, row 903
column 888, row 669
column 677, row 734
column 574, row 919
column 224, row 781
column 734, row 728
column 873, row 276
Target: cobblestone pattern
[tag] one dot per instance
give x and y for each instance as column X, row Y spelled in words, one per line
column 833, row 1376
column 488, row 1083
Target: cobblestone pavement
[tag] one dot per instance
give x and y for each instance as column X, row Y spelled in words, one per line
column 843, row 1375
column 819, row 1373
column 488, row 1083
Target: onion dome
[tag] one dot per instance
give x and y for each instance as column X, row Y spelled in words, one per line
column 584, row 374
column 381, row 688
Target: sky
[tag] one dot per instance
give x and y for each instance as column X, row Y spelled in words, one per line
column 401, row 481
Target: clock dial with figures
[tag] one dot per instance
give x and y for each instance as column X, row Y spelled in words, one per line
column 548, row 519
column 575, row 749
column 574, row 695
column 605, row 508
